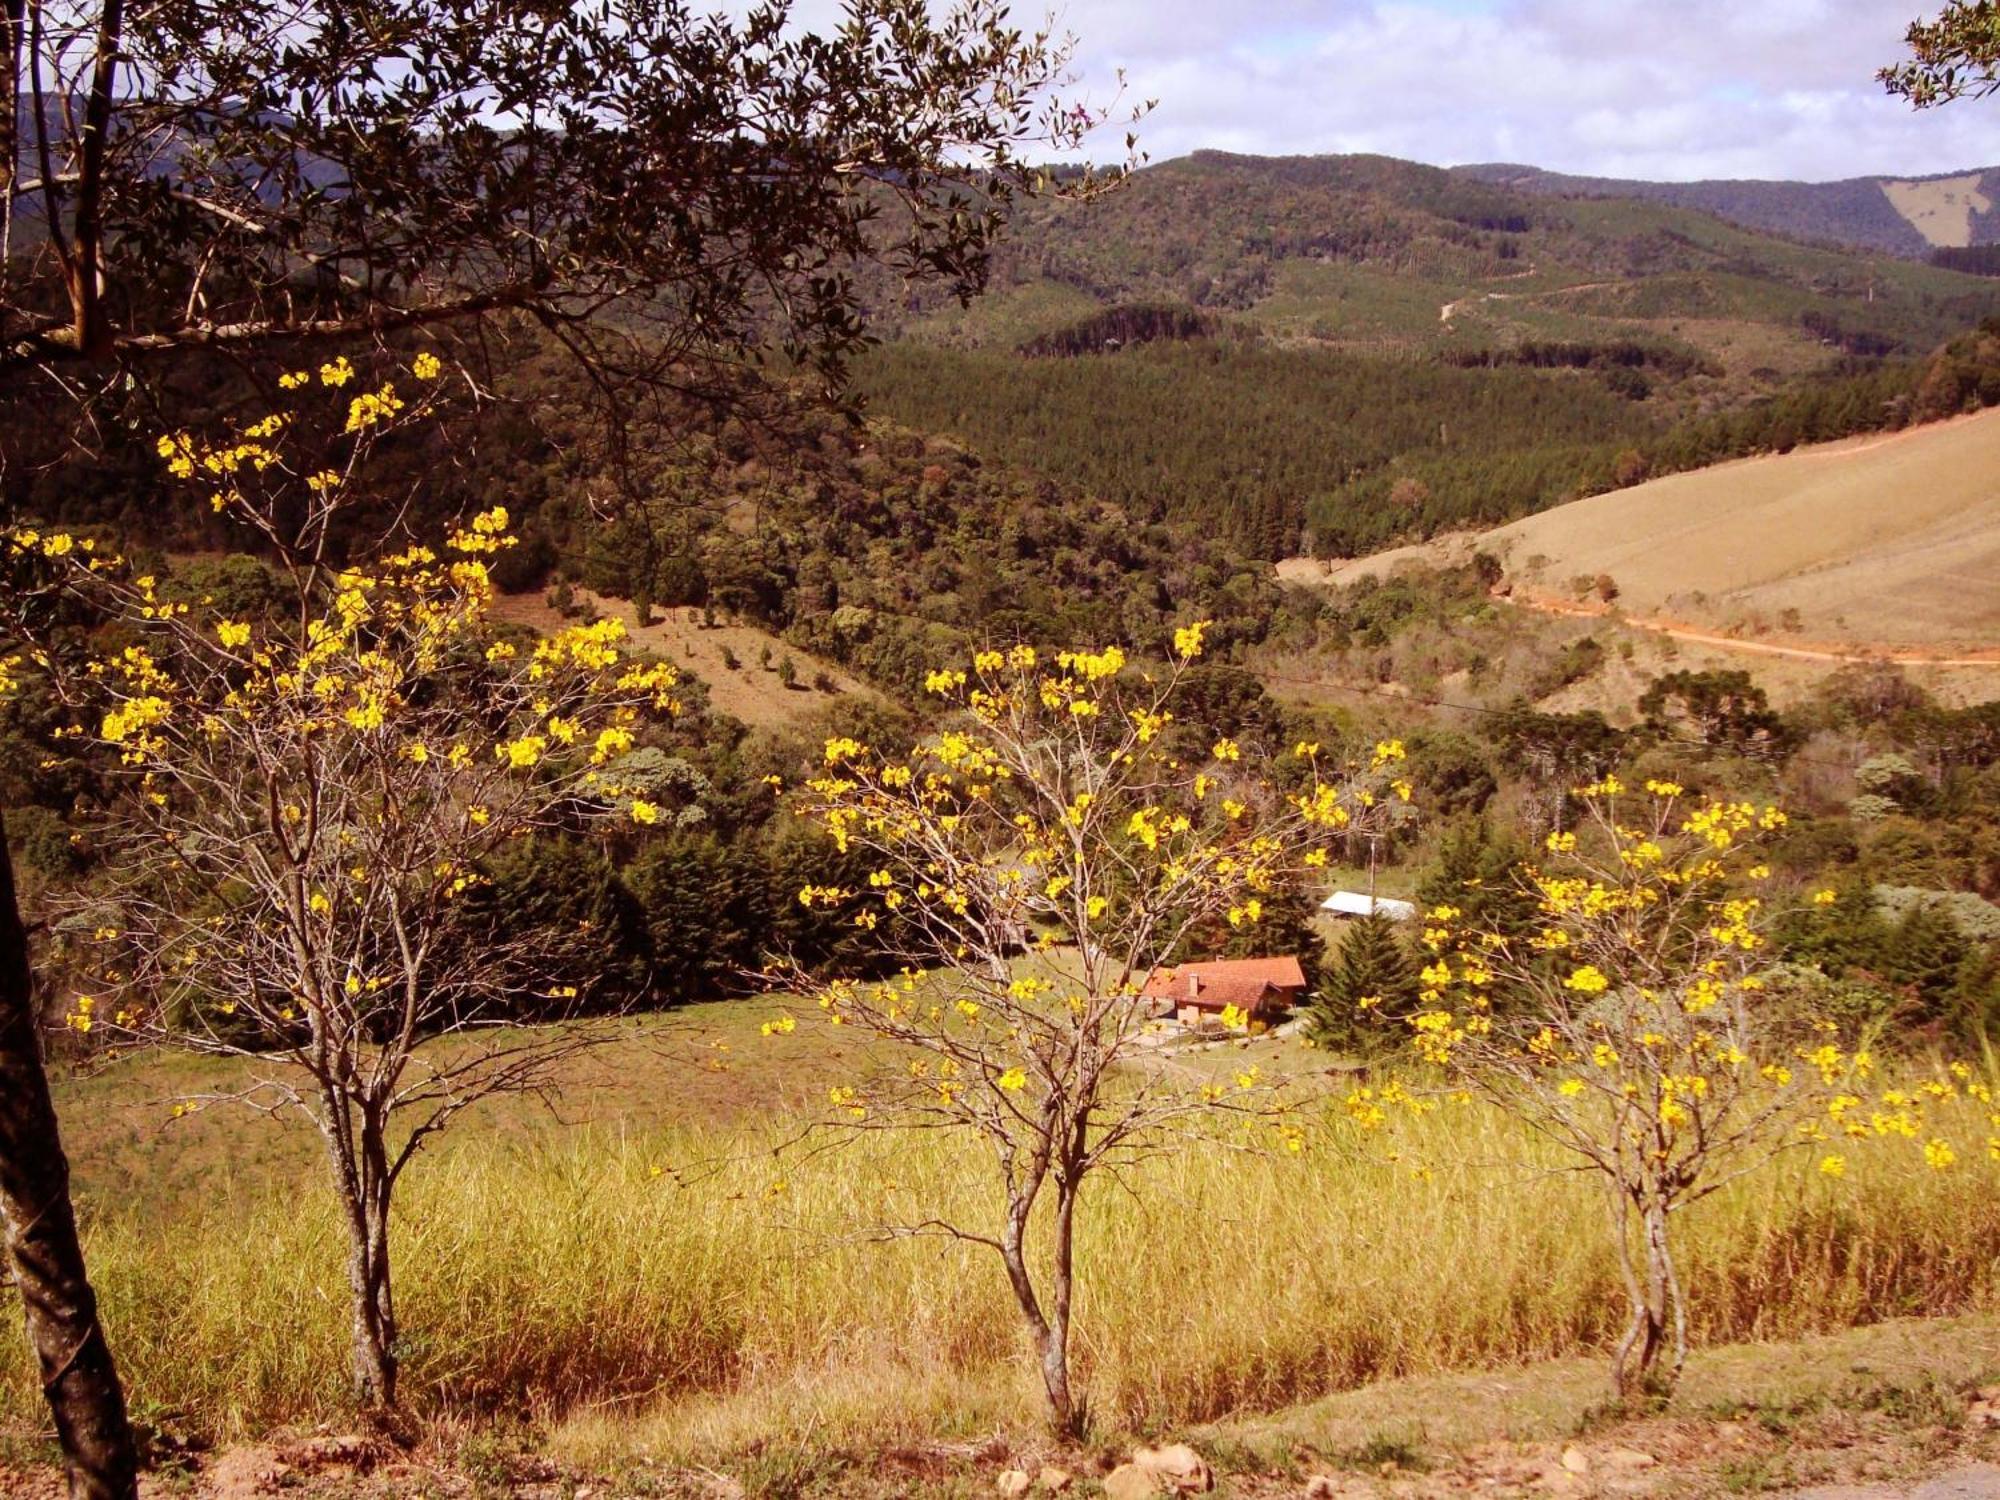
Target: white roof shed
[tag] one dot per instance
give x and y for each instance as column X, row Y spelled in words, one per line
column 1356, row 904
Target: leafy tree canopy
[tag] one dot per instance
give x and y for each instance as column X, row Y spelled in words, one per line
column 656, row 185
column 1956, row 54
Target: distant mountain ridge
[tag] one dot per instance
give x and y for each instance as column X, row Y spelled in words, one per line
column 1374, row 254
column 1905, row 216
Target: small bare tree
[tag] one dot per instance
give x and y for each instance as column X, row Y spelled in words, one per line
column 304, row 809
column 1644, row 1030
column 1040, row 857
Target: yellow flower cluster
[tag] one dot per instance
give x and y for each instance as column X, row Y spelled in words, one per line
column 1093, row 666
column 373, row 408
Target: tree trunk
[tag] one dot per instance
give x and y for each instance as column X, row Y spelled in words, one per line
column 12, row 31
column 361, row 1166
column 1052, row 1354
column 93, row 333
column 1660, row 1251
column 1070, row 1416
column 1051, row 1338
column 78, row 1376
column 1658, row 1322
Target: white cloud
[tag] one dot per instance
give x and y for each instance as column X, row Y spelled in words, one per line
column 1664, row 88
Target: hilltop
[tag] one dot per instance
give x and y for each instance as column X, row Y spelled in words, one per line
column 1371, row 252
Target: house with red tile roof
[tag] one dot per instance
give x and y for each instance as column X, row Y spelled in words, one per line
column 1261, row 988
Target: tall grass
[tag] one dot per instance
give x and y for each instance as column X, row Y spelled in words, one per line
column 557, row 1280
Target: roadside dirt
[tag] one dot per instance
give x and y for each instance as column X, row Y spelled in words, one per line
column 1681, row 630
column 1930, row 1444
column 1687, row 1462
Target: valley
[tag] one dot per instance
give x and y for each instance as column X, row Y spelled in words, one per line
column 720, row 783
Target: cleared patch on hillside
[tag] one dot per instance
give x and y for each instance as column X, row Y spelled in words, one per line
column 1886, row 543
column 1940, row 209
column 1792, row 567
column 739, row 664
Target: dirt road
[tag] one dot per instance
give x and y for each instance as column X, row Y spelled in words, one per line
column 1682, row 631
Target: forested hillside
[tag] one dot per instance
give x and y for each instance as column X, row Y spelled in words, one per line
column 1288, row 448
column 1330, row 354
column 1367, row 250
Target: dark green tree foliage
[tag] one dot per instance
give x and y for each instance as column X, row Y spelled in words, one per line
column 1164, row 430
column 1974, row 1018
column 1477, row 871
column 1974, row 260
column 1577, row 660
column 1453, row 775
column 565, row 884
column 1964, row 376
column 1720, row 709
column 708, row 909
column 1924, row 950
column 1120, row 328
column 690, row 184
column 1944, row 979
column 1953, row 740
column 1850, row 397
column 1556, row 753
column 1369, row 989
column 1560, row 354
column 239, row 586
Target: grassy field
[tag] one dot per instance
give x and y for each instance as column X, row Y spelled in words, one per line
column 1786, row 564
column 731, row 660
column 663, row 1270
column 1890, row 541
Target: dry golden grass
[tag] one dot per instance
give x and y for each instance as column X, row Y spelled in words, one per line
column 748, row 691
column 1887, row 541
column 681, row 1290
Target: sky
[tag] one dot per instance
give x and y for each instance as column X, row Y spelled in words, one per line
column 1662, row 89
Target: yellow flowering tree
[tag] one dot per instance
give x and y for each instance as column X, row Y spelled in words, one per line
column 303, row 807
column 298, row 478
column 1035, row 858
column 1643, row 1028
